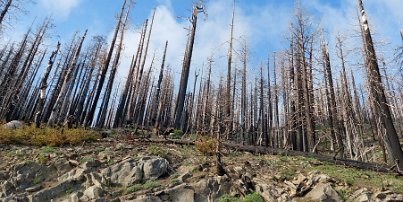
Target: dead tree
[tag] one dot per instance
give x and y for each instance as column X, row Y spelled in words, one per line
column 378, row 92
column 243, row 96
column 43, row 87
column 91, row 113
column 180, row 101
column 109, row 85
column 335, row 135
column 292, row 96
column 228, row 103
column 65, row 86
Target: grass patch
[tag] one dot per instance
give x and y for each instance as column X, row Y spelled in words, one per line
column 86, row 159
column 176, row 134
column 134, row 188
column 151, row 184
column 157, row 151
column 43, row 159
column 147, row 185
column 37, row 179
column 229, row 198
column 288, row 173
column 362, row 178
column 253, row 197
column 53, row 137
column 175, row 181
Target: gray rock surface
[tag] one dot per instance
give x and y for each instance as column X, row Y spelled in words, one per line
column 12, row 125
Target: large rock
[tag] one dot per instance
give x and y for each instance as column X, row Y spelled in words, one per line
column 25, row 175
column 125, row 173
column 94, row 192
column 388, row 196
column 155, row 168
column 145, row 199
column 323, row 193
column 130, row 171
column 361, row 195
column 12, row 125
column 58, row 190
column 180, row 193
column 201, row 189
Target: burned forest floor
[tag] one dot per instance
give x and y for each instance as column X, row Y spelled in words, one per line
column 117, row 168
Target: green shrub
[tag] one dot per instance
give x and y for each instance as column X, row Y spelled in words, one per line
column 86, row 159
column 157, row 151
column 254, row 197
column 134, row 188
column 228, row 198
column 147, row 185
column 151, row 184
column 37, row 179
column 176, row 134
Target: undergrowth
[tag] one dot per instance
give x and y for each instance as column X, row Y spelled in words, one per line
column 206, row 146
column 53, row 137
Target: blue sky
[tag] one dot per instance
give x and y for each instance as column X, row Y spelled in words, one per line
column 263, row 23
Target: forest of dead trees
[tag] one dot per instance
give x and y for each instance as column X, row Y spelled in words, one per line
column 298, row 101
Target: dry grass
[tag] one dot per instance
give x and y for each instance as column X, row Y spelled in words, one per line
column 206, row 146
column 29, row 135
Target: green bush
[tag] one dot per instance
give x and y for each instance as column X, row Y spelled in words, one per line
column 228, row 198
column 151, row 184
column 157, row 151
column 176, row 134
column 254, row 197
column 134, row 188
column 147, row 185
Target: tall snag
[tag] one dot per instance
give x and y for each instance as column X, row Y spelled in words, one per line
column 378, row 93
column 44, row 86
column 90, row 115
column 180, row 101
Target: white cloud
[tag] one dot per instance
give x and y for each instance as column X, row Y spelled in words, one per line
column 59, row 8
column 263, row 27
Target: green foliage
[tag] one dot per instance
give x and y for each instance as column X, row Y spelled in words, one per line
column 110, row 162
column 157, row 151
column 254, row 197
column 362, row 178
column 69, row 189
column 49, row 150
column 147, row 185
column 176, row 134
column 343, row 194
column 228, row 198
column 175, row 175
column 151, row 184
column 37, row 179
column 288, row 173
column 53, row 137
column 175, row 181
column 134, row 188
column 42, row 158
column 86, row 159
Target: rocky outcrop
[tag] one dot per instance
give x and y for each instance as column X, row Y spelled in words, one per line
column 12, row 125
column 130, row 171
column 81, row 174
column 86, row 182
